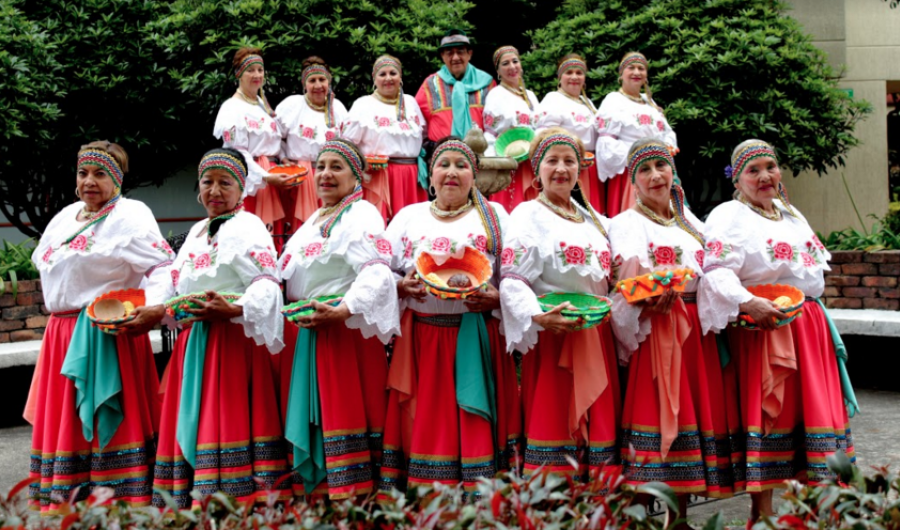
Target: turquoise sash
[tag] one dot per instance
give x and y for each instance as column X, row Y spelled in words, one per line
column 304, row 414
column 473, row 80
column 191, row 389
column 841, row 353
column 474, row 372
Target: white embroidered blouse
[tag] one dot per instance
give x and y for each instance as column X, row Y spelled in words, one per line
column 560, row 110
column 304, row 127
column 250, row 130
column 123, row 251
column 743, row 248
column 504, row 110
column 546, row 253
column 620, row 122
column 354, row 262
column 240, row 259
column 373, row 126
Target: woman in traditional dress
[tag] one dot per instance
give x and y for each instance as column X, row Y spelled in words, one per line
column 341, row 251
column 570, row 386
column 388, row 125
column 220, row 427
column 247, row 124
column 626, row 116
column 677, row 414
column 94, row 399
column 792, row 380
column 308, row 121
column 510, row 105
column 570, row 108
column 465, row 422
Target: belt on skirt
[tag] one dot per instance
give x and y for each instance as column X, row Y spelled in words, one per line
column 403, row 161
column 66, row 314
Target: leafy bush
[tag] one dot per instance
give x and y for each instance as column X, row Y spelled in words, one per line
column 15, row 265
column 725, row 71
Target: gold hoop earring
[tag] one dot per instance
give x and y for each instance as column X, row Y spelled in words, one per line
column 77, row 193
column 540, row 186
column 432, row 191
column 199, row 201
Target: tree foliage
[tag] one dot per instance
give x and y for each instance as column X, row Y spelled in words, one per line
column 724, row 70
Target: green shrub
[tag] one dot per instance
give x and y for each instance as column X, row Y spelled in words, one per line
column 15, row 265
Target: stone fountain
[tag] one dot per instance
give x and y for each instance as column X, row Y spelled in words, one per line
column 494, row 172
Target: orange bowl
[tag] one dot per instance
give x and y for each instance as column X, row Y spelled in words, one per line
column 654, row 284
column 109, row 310
column 588, row 160
column 298, row 172
column 377, row 162
column 473, row 264
column 771, row 292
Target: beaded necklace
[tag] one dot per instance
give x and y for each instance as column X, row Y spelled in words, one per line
column 386, row 101
column 450, row 213
column 580, row 99
column 636, row 99
column 317, row 108
column 770, row 216
column 97, row 216
column 650, row 214
column 519, row 92
column 257, row 102
column 574, row 217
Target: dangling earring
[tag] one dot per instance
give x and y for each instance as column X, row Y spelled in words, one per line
column 432, row 191
column 540, row 186
column 782, row 193
column 77, row 193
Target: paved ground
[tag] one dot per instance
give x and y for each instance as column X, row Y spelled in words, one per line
column 875, row 434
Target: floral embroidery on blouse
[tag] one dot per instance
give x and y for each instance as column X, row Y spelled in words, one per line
column 488, row 119
column 442, row 244
column 163, row 246
column 511, row 256
column 700, row 256
column 409, row 247
column 329, row 135
column 478, row 242
column 313, row 249
column 523, row 118
column 601, row 123
column 660, row 126
column 574, row 255
column 82, row 243
column 46, row 258
column 664, row 255
column 308, row 132
column 644, row 119
column 382, row 121
column 717, row 249
column 809, row 260
column 781, row 251
column 580, row 118
column 382, row 246
column 264, row 259
column 176, row 274
column 254, row 124
column 617, row 263
column 605, row 260
column 285, row 261
column 205, row 260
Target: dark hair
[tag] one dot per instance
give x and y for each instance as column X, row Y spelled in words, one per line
column 242, row 54
column 115, row 150
column 314, row 59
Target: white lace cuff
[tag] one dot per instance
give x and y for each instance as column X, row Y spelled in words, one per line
column 262, row 319
column 719, row 298
column 518, row 304
column 372, row 299
column 629, row 326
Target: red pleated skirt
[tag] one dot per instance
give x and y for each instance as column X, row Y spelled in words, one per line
column 813, row 422
column 352, row 377
column 619, row 195
column 404, row 186
column 596, row 190
column 61, row 459
column 706, row 457
column 304, row 198
column 270, row 205
column 546, row 391
column 520, row 189
column 240, row 446
column 444, row 443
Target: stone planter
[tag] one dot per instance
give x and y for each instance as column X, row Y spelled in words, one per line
column 863, row 280
column 24, row 316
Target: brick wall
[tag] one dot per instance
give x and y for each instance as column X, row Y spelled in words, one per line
column 24, row 316
column 863, row 280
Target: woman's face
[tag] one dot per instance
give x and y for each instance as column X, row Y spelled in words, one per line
column 510, row 69
column 633, row 77
column 317, row 89
column 253, row 79
column 759, row 181
column 653, row 181
column 95, row 186
column 219, row 192
column 334, row 178
column 559, row 171
column 452, row 178
column 572, row 81
column 387, row 82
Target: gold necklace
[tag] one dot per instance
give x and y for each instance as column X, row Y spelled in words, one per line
column 89, row 215
column 573, row 98
column 327, row 210
column 317, row 108
column 385, row 100
column 450, row 213
column 252, row 101
column 776, row 216
column 574, row 217
column 652, row 215
column 636, row 99
column 517, row 91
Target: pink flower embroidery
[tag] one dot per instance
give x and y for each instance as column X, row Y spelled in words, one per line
column 481, row 243
column 606, row 261
column 645, row 119
column 660, row 126
column 285, row 261
column 440, row 244
column 313, row 250
column 404, row 126
column 253, row 124
column 715, row 248
column 383, row 246
column 783, row 251
column 329, row 136
column 817, row 242
column 46, row 258
column 383, row 122
column 665, row 255
column 202, row 261
column 508, row 256
column 489, row 120
column 808, row 260
column 580, row 118
column 700, row 256
column 523, row 119
column 575, row 255
column 407, row 247
column 175, row 275
column 79, row 243
column 264, row 259
column 601, row 123
column 309, row 132
column 273, row 126
column 227, row 136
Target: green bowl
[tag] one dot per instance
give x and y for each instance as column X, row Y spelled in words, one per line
column 514, row 135
column 302, row 308
column 592, row 309
column 176, row 307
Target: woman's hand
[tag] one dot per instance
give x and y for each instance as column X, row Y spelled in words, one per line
column 486, row 299
column 279, row 180
column 412, row 287
column 145, row 317
column 325, row 316
column 554, row 322
column 662, row 303
column 215, row 307
column 764, row 312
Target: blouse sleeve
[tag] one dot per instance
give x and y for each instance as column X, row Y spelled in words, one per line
column 521, row 264
column 262, row 300
column 351, row 128
column 720, row 293
column 152, row 256
column 629, row 324
column 611, row 152
column 238, row 138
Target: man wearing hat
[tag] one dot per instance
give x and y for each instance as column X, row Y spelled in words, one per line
column 452, row 100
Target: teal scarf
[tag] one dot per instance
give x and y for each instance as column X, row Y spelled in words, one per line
column 473, row 80
column 191, row 389
column 92, row 363
column 304, row 414
column 473, row 370
column 841, row 353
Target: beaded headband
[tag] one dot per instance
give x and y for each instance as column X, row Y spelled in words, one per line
column 102, row 159
column 547, row 143
column 754, row 150
column 652, row 151
column 385, row 62
column 248, row 61
column 228, row 163
column 460, row 147
column 314, row 69
column 343, row 149
column 569, row 64
column 501, row 51
column 632, row 58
